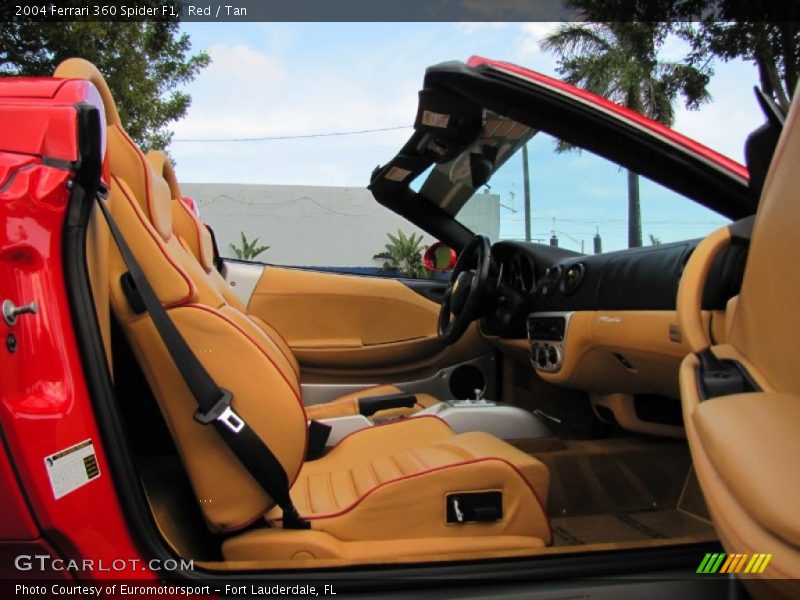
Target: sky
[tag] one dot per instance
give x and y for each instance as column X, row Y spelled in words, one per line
column 284, row 79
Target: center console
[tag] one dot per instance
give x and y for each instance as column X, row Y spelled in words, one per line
column 547, row 332
column 504, row 421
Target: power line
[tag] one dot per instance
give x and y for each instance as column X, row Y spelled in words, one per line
column 293, row 137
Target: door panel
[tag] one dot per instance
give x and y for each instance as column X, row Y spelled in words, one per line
column 349, row 329
column 329, row 311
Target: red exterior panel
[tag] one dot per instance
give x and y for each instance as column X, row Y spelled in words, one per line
column 45, row 406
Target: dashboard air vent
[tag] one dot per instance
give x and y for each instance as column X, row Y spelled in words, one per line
column 573, row 278
column 549, row 281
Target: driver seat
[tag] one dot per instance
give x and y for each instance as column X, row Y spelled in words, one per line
column 196, row 240
column 407, row 490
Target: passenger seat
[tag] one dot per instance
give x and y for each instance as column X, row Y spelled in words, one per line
column 196, row 239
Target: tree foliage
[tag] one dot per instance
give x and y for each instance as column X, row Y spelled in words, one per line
column 763, row 32
column 774, row 48
column 249, row 249
column 144, row 63
column 404, row 254
column 619, row 60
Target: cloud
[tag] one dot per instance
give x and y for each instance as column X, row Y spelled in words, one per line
column 304, row 79
column 242, row 63
column 528, row 43
column 724, row 123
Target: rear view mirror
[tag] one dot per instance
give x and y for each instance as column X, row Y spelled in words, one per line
column 439, row 257
column 481, row 166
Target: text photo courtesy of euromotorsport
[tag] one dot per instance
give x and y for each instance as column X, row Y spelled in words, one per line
column 164, row 590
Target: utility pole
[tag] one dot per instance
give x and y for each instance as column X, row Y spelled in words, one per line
column 527, row 187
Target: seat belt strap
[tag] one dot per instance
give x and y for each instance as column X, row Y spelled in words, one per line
column 214, row 402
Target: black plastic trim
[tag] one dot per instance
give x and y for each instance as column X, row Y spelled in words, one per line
column 432, row 289
column 570, row 119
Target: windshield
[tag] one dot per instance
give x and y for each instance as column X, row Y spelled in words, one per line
column 546, row 192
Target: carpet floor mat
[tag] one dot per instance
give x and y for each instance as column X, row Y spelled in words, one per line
column 623, row 490
column 615, row 476
column 638, row 526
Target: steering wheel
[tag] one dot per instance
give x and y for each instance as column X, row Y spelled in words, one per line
column 690, row 290
column 463, row 299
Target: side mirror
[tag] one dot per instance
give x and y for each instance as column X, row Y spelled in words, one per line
column 191, row 205
column 439, row 257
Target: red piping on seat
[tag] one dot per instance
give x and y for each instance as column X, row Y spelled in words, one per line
column 160, row 243
column 145, row 170
column 277, row 347
column 442, row 468
column 196, row 223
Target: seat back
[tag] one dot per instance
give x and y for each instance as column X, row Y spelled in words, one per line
column 237, row 354
column 196, row 239
column 765, row 327
column 741, row 443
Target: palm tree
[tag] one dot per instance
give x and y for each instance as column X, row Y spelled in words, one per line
column 619, row 61
column 403, row 253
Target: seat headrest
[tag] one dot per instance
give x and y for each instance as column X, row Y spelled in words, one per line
column 125, row 159
column 79, row 68
column 163, row 166
column 185, row 224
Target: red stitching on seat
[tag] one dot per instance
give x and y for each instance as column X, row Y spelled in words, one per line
column 442, row 468
column 145, row 170
column 160, row 243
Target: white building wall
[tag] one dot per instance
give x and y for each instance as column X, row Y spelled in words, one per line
column 305, row 225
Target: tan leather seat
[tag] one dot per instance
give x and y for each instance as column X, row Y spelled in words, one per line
column 744, row 446
column 380, row 494
column 195, row 238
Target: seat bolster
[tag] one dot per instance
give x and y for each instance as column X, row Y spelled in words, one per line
column 170, row 281
column 414, row 506
column 479, row 444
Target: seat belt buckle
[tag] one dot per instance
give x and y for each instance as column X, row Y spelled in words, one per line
column 231, row 420
column 222, row 412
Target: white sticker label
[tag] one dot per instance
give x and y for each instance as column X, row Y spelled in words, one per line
column 432, row 119
column 397, row 174
column 72, row 468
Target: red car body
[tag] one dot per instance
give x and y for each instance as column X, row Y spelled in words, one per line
column 45, row 402
column 46, row 405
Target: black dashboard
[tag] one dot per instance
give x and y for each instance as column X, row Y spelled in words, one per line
column 541, row 278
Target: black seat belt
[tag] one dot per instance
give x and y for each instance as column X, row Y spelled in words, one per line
column 214, row 402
